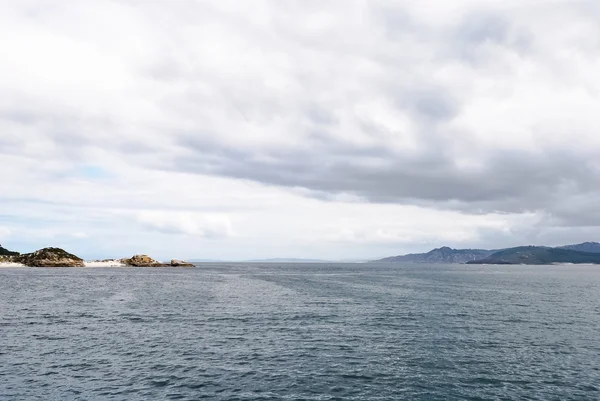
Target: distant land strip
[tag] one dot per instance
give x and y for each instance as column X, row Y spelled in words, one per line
column 587, row 252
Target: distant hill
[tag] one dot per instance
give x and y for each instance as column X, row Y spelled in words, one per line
column 538, row 255
column 441, row 255
column 518, row 255
column 592, row 247
column 6, row 252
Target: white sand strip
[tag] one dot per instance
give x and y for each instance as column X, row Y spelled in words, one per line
column 108, row 263
column 11, row 264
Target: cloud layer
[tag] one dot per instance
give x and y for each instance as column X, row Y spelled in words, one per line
column 307, row 125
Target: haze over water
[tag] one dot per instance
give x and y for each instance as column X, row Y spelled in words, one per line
column 301, row 332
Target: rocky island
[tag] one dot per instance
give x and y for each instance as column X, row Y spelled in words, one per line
column 50, row 257
column 147, row 261
column 57, row 257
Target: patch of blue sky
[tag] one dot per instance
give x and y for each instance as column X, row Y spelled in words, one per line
column 93, row 172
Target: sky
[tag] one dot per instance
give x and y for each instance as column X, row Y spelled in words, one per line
column 339, row 129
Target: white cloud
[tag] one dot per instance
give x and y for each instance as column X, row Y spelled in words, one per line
column 4, row 233
column 278, row 128
column 212, row 226
column 79, row 235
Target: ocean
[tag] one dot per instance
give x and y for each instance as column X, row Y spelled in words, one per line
column 301, row 332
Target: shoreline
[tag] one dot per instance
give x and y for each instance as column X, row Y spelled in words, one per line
column 88, row 264
column 57, row 257
column 106, row 263
column 8, row 265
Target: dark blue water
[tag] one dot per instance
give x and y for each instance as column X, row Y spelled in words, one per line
column 301, row 332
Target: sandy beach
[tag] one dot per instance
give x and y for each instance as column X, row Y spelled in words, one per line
column 107, row 263
column 10, row 265
column 112, row 263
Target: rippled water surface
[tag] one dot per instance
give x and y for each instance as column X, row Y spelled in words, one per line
column 301, row 332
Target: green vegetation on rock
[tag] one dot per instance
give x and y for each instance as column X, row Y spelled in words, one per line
column 6, row 252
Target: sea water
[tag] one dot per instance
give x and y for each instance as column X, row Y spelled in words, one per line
column 301, row 332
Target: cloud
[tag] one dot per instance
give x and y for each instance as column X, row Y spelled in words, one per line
column 192, row 224
column 79, row 235
column 4, row 233
column 206, row 114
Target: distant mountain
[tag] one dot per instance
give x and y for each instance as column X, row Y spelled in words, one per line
column 6, row 252
column 524, row 254
column 442, row 255
column 538, row 255
column 593, row 247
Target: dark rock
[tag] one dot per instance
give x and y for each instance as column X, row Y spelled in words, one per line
column 49, row 257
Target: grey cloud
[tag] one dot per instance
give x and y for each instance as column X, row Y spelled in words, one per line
column 320, row 115
column 395, row 20
column 431, row 105
column 508, row 182
column 480, row 28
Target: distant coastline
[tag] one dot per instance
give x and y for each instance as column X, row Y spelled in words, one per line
column 584, row 253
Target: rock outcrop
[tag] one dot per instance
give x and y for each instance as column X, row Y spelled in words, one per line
column 147, row 261
column 6, row 259
column 180, row 263
column 142, row 261
column 49, row 257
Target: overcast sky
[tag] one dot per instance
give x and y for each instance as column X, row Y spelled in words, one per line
column 298, row 128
